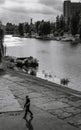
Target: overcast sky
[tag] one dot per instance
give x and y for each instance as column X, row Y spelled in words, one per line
column 22, row 10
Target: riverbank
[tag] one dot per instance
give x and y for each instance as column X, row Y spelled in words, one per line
column 53, row 107
column 46, row 83
column 28, row 65
column 9, row 65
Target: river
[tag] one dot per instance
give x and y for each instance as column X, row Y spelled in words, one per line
column 57, row 59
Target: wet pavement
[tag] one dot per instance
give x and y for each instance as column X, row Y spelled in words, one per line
column 53, row 108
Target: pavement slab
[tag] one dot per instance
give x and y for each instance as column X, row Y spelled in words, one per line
column 8, row 101
column 53, row 105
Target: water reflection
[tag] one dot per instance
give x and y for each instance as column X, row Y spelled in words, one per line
column 29, row 124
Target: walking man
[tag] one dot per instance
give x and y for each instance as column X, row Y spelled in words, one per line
column 27, row 107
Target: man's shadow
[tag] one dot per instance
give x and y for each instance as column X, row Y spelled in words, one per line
column 29, row 124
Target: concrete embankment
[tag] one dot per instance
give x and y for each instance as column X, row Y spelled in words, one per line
column 47, row 83
column 54, row 107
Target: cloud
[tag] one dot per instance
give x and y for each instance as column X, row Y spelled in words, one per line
column 38, row 9
column 27, row 7
column 55, row 4
column 2, row 1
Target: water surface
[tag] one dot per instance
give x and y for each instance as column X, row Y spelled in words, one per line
column 56, row 58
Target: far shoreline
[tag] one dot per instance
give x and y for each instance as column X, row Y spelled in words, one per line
column 65, row 38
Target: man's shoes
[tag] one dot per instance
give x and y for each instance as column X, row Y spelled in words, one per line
column 31, row 115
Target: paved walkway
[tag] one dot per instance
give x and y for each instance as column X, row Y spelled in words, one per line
column 53, row 108
column 7, row 100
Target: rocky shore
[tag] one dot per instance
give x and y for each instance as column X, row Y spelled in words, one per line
column 28, row 65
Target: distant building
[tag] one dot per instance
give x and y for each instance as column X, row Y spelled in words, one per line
column 70, row 9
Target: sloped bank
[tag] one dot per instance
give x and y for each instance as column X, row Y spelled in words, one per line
column 28, row 65
column 45, row 83
column 18, row 66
